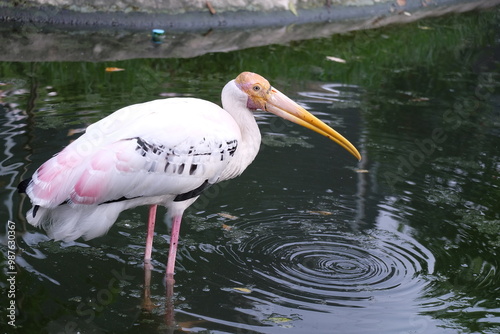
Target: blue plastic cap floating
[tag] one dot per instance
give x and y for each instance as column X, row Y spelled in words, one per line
column 157, row 35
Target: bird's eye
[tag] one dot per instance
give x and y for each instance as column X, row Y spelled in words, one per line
column 256, row 88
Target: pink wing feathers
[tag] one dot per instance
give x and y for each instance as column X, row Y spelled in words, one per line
column 140, row 152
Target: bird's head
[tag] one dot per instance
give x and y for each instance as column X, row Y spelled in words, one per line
column 261, row 95
column 257, row 88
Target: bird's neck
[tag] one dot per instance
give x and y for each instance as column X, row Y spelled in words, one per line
column 249, row 145
column 250, row 138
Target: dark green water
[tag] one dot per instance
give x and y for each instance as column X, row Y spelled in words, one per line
column 307, row 239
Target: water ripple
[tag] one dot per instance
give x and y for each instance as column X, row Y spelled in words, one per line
column 337, row 269
column 333, row 92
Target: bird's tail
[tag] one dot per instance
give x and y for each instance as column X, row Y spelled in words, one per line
column 67, row 223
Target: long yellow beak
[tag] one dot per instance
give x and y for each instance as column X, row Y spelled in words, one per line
column 280, row 105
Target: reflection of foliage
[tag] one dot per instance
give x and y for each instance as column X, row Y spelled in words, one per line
column 371, row 55
column 475, row 219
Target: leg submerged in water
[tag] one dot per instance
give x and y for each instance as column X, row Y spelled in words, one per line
column 147, row 304
column 150, row 233
column 174, row 239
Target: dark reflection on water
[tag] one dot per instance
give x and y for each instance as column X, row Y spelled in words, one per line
column 306, row 239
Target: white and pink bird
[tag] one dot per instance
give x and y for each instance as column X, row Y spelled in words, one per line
column 164, row 152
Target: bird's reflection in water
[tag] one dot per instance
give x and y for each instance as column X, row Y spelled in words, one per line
column 147, row 304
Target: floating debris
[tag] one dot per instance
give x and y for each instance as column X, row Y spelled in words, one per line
column 157, row 36
column 292, row 8
column 420, row 99
column 227, row 215
column 114, row 69
column 244, row 290
column 319, row 212
column 361, row 171
column 211, row 9
column 335, row 59
column 282, row 321
column 279, row 320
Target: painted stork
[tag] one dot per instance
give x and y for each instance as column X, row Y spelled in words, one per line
column 164, row 152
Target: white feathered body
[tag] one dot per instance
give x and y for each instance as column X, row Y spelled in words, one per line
column 160, row 152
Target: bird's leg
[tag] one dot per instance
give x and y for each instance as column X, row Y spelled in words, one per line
column 169, row 304
column 172, row 252
column 150, row 234
column 174, row 238
column 147, row 304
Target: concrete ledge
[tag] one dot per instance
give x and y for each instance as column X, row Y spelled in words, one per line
column 52, row 34
column 195, row 20
column 174, row 7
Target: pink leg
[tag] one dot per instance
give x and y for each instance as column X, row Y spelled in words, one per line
column 174, row 238
column 151, row 231
column 147, row 304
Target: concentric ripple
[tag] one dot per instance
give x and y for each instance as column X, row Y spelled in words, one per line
column 332, row 268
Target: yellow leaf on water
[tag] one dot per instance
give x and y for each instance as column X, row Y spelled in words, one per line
column 323, row 213
column 245, row 290
column 279, row 320
column 361, row 171
column 227, row 215
column 114, row 69
column 226, row 227
column 293, row 9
